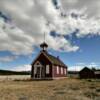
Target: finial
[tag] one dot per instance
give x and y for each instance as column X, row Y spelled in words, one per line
column 44, row 36
column 44, row 45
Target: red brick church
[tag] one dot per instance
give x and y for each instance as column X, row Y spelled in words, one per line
column 46, row 66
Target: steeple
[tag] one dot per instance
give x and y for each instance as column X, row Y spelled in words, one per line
column 44, row 45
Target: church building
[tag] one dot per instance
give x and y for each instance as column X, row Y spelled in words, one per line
column 47, row 66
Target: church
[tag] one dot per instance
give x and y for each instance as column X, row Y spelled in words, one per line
column 47, row 66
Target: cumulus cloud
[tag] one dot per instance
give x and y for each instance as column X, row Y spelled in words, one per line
column 75, row 68
column 59, row 43
column 93, row 64
column 30, row 22
column 82, row 15
column 22, row 68
column 31, row 18
column 79, row 66
column 7, row 58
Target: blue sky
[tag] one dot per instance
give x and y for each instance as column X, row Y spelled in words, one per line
column 71, row 27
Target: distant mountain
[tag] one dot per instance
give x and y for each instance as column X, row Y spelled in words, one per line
column 8, row 72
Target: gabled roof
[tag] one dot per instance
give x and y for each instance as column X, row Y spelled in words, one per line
column 54, row 60
column 86, row 69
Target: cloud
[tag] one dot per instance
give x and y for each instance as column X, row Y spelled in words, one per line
column 7, row 59
column 22, row 68
column 29, row 22
column 31, row 18
column 14, row 39
column 75, row 68
column 61, row 44
column 93, row 64
column 92, row 7
column 82, row 15
column 79, row 66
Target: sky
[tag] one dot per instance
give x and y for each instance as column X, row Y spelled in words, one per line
column 71, row 28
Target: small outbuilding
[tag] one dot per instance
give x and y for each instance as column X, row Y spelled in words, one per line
column 97, row 74
column 86, row 73
column 47, row 66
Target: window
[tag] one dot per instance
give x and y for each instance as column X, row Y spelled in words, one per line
column 57, row 69
column 47, row 69
column 65, row 71
column 61, row 70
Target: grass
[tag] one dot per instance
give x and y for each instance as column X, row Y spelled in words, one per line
column 63, row 89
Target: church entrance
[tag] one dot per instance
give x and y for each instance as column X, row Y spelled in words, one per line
column 39, row 71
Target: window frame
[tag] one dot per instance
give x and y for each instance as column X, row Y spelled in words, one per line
column 57, row 69
column 47, row 69
column 62, row 70
column 65, row 71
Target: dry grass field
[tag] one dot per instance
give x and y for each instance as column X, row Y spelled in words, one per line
column 63, row 89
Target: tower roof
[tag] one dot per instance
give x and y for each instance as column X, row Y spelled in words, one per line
column 44, row 45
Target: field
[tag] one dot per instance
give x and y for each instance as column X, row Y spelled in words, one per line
column 63, row 89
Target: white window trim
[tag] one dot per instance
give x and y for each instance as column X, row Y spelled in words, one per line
column 35, row 69
column 47, row 69
column 37, row 64
column 65, row 71
column 61, row 70
column 57, row 68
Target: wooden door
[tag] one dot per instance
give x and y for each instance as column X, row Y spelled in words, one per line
column 38, row 72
